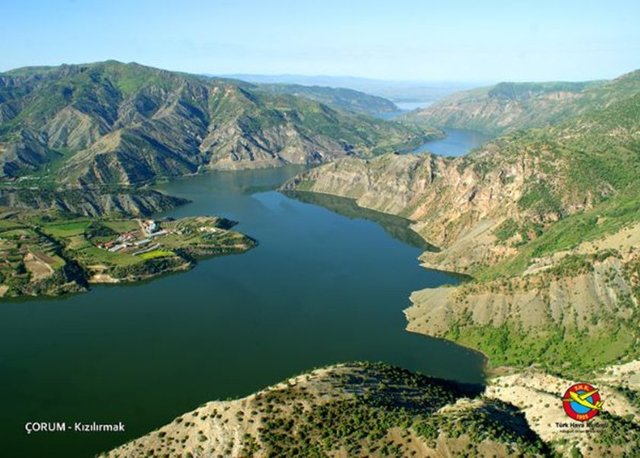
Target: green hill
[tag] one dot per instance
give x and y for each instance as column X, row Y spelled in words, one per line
column 356, row 410
column 108, row 123
column 507, row 107
column 338, row 98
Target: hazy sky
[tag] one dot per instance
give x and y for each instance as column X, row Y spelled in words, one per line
column 479, row 40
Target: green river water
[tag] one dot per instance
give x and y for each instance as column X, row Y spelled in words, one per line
column 327, row 283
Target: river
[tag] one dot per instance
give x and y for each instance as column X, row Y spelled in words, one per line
column 321, row 287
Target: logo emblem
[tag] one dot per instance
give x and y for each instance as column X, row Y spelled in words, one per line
column 582, row 402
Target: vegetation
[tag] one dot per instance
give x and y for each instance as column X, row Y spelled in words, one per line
column 565, row 172
column 386, row 398
column 112, row 110
column 50, row 254
column 337, row 98
column 509, row 107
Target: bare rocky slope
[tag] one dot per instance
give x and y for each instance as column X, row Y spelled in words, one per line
column 114, row 123
column 546, row 224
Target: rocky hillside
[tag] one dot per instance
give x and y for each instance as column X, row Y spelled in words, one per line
column 357, row 410
column 514, row 215
column 375, row 410
column 338, row 98
column 614, row 432
column 507, row 107
column 85, row 202
column 114, row 123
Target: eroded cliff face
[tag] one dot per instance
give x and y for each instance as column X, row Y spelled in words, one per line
column 454, row 204
column 515, row 214
column 476, row 217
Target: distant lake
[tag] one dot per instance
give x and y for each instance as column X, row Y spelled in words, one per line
column 410, row 106
column 323, row 286
column 403, row 108
column 456, row 143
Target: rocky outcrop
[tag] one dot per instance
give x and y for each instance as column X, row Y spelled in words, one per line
column 455, row 204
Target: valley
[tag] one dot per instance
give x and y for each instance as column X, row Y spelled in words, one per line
column 111, row 174
column 110, row 123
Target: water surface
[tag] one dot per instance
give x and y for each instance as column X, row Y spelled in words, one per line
column 320, row 288
column 456, row 143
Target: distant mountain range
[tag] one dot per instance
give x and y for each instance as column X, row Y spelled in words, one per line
column 507, row 107
column 338, row 98
column 113, row 123
column 396, row 91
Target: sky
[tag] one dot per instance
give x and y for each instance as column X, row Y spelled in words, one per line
column 414, row 40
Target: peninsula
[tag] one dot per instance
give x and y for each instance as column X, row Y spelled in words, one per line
column 48, row 254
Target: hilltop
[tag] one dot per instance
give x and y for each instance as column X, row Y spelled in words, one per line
column 112, row 123
column 377, row 410
column 358, row 409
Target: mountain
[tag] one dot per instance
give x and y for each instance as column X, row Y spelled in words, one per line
column 112, row 123
column 338, row 98
column 545, row 221
column 85, row 202
column 358, row 409
column 507, row 107
column 377, row 410
column 396, row 91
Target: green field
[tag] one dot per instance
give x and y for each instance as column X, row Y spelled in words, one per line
column 67, row 229
column 125, row 225
column 156, row 254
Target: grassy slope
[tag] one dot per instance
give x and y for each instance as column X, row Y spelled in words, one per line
column 600, row 149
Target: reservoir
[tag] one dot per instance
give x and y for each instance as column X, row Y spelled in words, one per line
column 457, row 143
column 327, row 283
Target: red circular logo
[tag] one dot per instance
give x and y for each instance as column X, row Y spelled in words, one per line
column 582, row 402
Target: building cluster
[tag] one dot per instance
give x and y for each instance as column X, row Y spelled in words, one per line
column 150, row 229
